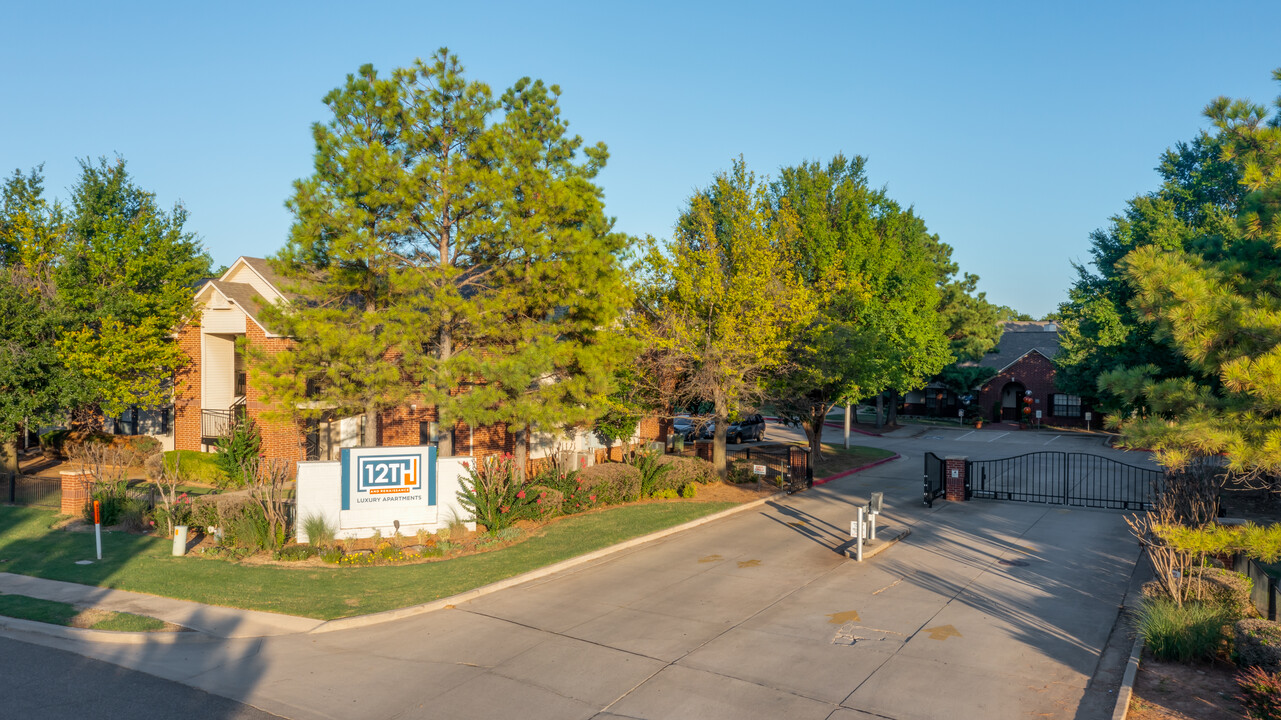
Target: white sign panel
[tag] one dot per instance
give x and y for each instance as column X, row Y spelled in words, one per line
column 758, row 469
column 382, row 485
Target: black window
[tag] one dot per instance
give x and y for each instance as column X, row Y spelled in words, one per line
column 427, row 433
column 1066, row 405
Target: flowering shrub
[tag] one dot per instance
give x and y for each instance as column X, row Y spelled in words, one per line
column 578, row 499
column 494, row 494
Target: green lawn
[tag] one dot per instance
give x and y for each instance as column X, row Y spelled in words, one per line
column 837, row 459
column 60, row 613
column 144, row 564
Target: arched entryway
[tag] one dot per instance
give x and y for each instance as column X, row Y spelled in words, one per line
column 1010, row 395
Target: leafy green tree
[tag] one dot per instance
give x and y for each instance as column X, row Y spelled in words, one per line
column 33, row 382
column 872, row 274
column 724, row 300
column 125, row 276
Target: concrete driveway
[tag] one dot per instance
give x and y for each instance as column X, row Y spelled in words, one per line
column 988, row 610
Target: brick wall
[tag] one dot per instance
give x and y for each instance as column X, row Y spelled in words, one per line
column 1034, row 372
column 77, row 487
column 186, row 396
column 281, row 439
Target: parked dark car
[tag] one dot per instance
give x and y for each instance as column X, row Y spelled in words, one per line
column 750, row 429
column 685, row 427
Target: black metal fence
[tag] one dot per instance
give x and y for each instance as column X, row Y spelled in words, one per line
column 31, row 490
column 1065, row 478
column 934, row 483
column 786, row 466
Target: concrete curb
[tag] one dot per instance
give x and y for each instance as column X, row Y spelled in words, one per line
column 841, row 426
column 860, row 468
column 1126, row 690
column 9, row 624
column 376, row 618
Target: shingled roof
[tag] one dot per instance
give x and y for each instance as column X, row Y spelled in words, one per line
column 245, row 296
column 263, row 268
column 1019, row 339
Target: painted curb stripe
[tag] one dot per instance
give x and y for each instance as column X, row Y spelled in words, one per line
column 860, row 468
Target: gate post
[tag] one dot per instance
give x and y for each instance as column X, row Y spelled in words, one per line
column 77, row 489
column 954, row 467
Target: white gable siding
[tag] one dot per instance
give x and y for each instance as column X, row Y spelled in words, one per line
column 221, row 317
column 240, row 272
column 217, row 372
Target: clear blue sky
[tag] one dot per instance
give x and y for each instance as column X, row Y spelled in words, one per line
column 1015, row 129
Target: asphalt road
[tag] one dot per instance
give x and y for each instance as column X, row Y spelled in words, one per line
column 41, row 682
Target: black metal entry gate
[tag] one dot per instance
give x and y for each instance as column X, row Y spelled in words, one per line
column 934, row 486
column 1063, row 478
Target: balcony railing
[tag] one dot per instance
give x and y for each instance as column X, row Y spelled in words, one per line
column 240, row 384
column 217, row 423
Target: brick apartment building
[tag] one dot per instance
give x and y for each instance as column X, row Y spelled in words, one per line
column 212, row 392
column 1023, row 361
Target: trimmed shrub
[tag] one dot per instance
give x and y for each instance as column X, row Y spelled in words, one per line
column 1258, row 643
column 195, row 466
column 665, row 494
column 1260, row 694
column 689, row 491
column 612, row 483
column 1194, row 631
column 548, row 501
column 52, row 443
column 1224, row 588
column 685, row 470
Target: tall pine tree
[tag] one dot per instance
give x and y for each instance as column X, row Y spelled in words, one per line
column 445, row 255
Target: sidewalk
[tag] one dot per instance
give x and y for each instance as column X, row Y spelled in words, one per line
column 222, row 622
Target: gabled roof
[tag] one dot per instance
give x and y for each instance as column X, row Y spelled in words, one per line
column 1021, row 338
column 244, row 296
column 264, row 270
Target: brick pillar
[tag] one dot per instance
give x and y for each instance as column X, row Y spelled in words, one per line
column 954, row 477
column 76, row 488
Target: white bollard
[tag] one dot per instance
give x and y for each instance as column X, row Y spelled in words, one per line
column 179, row 540
column 859, row 534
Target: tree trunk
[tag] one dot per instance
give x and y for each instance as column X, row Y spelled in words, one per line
column 814, row 432
column 521, row 452
column 369, row 438
column 718, row 442
column 9, row 455
column 444, row 442
column 893, row 407
column 880, row 410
